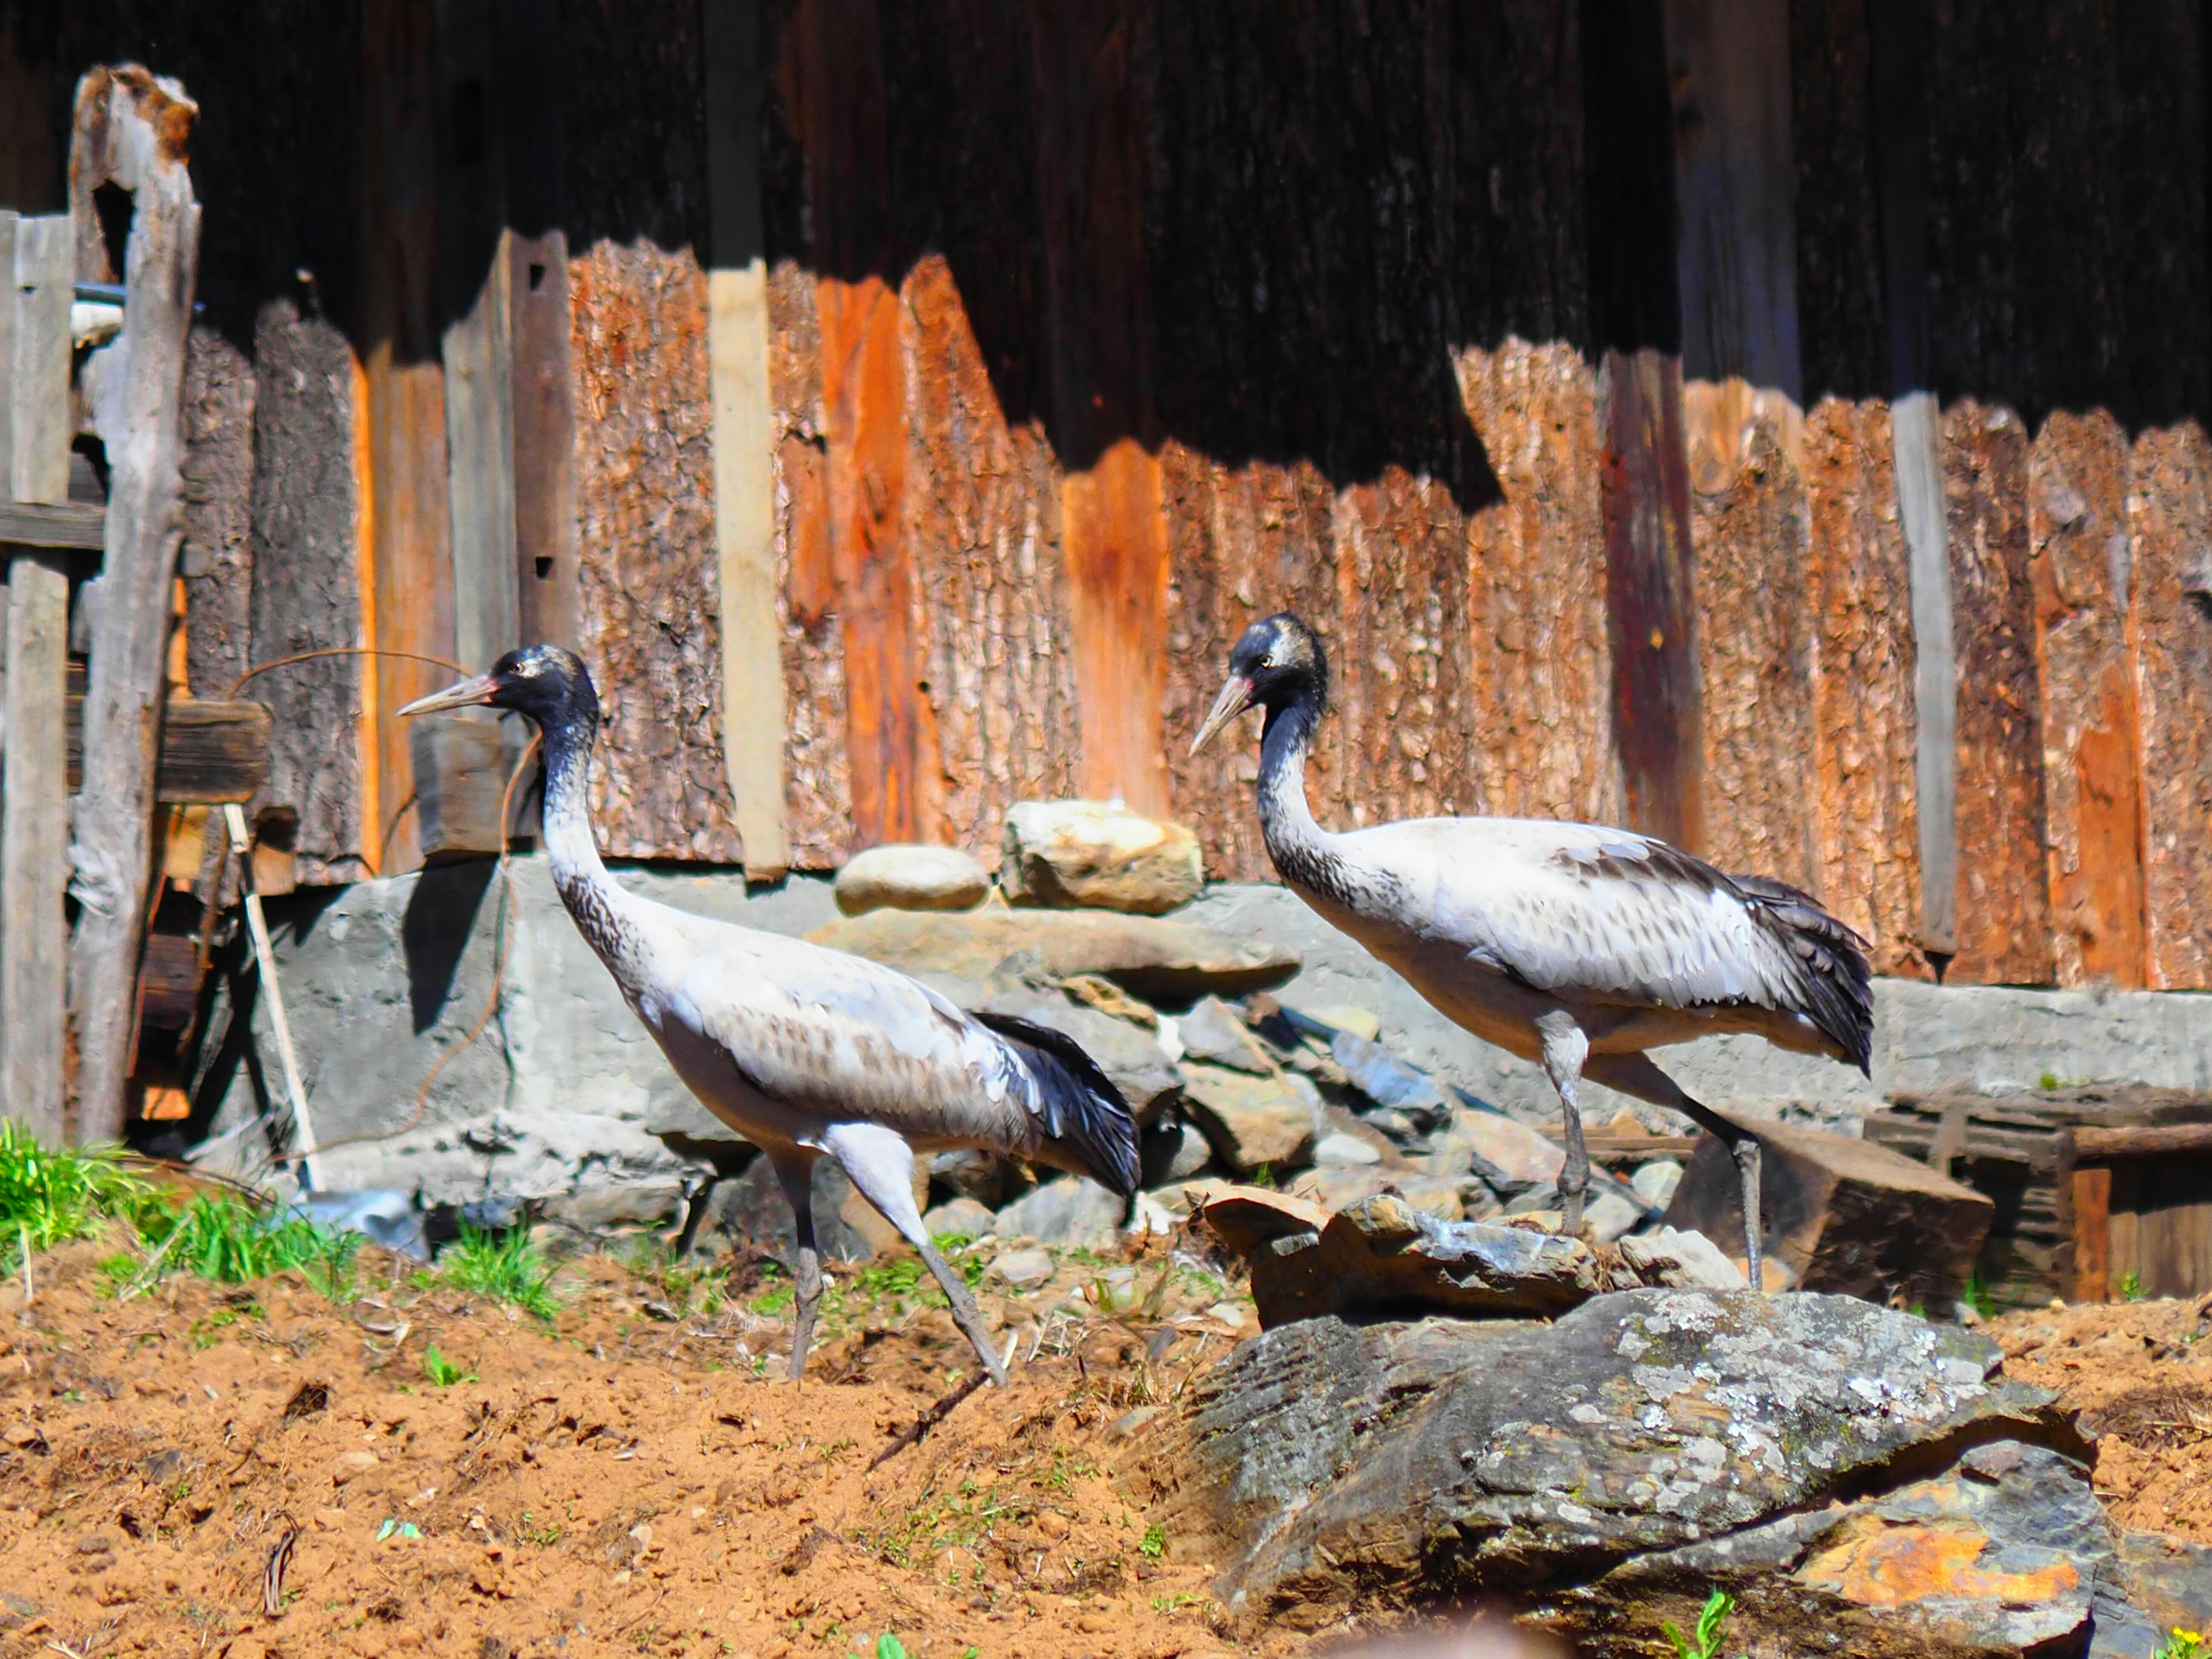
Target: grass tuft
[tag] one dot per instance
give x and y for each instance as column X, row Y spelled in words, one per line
column 49, row 1196
column 229, row 1241
column 505, row 1266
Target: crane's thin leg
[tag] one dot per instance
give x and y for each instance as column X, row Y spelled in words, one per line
column 795, row 1171
column 881, row 1164
column 1635, row 1074
column 1565, row 1049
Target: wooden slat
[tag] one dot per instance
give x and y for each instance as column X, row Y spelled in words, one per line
column 168, row 980
column 34, row 846
column 542, row 401
column 40, row 427
column 67, row 524
column 210, row 750
column 2091, row 1192
column 131, row 131
column 2142, row 1141
column 753, row 721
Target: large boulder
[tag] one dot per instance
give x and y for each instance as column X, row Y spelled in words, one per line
column 1170, row 961
column 1692, row 1435
column 1067, row 1211
column 905, row 878
column 1070, row 853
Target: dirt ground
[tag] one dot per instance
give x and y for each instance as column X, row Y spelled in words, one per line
column 2140, row 1373
column 258, row 1471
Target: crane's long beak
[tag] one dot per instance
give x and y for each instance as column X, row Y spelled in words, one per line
column 1236, row 698
column 469, row 694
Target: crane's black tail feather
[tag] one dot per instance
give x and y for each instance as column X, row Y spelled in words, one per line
column 1837, row 984
column 1086, row 1113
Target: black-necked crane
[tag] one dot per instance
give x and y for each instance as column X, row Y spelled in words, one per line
column 808, row 1052
column 1571, row 945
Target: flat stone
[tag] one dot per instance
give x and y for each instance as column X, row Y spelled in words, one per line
column 2167, row 1582
column 1673, row 1256
column 911, row 877
column 1212, row 1031
column 1339, row 1465
column 1506, row 1144
column 1381, row 1254
column 1606, row 1216
column 1389, row 1081
column 1132, row 1060
column 1072, row 852
column 1338, row 1150
column 1022, row 1268
column 1245, row 1218
column 1165, row 961
column 1344, row 1017
column 1069, row 1210
column 1340, row 1187
column 1173, row 1152
column 962, row 1216
column 1253, row 1122
column 1656, row 1181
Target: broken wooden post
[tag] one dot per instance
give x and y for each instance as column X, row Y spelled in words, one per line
column 35, row 259
column 131, row 131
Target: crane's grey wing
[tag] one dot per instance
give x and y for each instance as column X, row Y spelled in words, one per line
column 1602, row 915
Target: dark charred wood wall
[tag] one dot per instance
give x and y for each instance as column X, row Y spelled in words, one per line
column 1100, row 328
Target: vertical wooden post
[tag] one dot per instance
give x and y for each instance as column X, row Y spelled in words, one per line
column 37, row 380
column 33, row 845
column 1895, row 29
column 131, row 130
column 1113, row 525
column 745, row 436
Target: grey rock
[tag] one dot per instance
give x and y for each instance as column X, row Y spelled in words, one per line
column 1395, row 1126
column 911, row 877
column 1455, row 1458
column 1022, row 1268
column 1130, row 1058
column 1608, row 1216
column 1173, row 1152
column 1677, row 1257
column 2161, row 1582
column 1084, row 853
column 1212, row 1031
column 1656, row 1181
column 1389, row 1081
column 1069, row 1210
column 751, row 1208
column 967, row 1173
column 1254, row 1121
column 962, row 1216
column 1539, row 1199
column 1338, row 1150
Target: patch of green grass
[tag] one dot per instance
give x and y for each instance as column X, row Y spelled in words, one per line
column 505, row 1266
column 1977, row 1296
column 1154, row 1543
column 1704, row 1642
column 226, row 1240
column 440, row 1371
column 2050, row 1081
column 888, row 1646
column 2131, row 1288
column 49, row 1196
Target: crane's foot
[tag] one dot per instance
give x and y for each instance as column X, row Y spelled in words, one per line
column 965, row 1314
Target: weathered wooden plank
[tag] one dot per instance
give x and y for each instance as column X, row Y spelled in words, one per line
column 1652, row 594
column 744, row 439
column 9, row 219
column 2094, row 1143
column 1920, row 513
column 1735, row 189
column 2092, row 769
column 132, row 131
column 68, row 524
column 1863, row 723
column 310, row 588
column 212, row 750
column 476, row 351
column 650, row 624
column 1751, row 526
column 2170, row 536
column 2003, row 904
column 2092, row 1198
column 217, row 557
column 543, row 404
column 40, row 424
column 34, row 848
column 997, row 618
column 1540, row 698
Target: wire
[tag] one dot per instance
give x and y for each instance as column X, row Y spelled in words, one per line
column 343, row 651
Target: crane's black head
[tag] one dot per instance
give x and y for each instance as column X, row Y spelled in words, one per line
column 1278, row 665
column 549, row 685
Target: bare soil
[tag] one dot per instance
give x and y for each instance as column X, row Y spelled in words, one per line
column 2140, row 1374
column 260, row 1471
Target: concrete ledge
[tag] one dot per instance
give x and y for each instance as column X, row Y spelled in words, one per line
column 564, row 1097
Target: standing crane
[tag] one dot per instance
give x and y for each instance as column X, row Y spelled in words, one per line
column 1575, row 945
column 806, row 1052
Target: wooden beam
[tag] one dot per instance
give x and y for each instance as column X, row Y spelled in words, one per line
column 2092, row 1191
column 131, row 131
column 67, row 524
column 210, row 750
column 753, row 715
column 2141, row 1141
column 34, row 848
column 40, row 427
column 542, row 399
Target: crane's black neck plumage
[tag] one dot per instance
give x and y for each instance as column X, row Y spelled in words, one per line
column 567, row 712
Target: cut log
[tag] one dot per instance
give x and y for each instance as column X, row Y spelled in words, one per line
column 1844, row 1215
column 210, row 750
column 131, row 131
column 66, row 524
